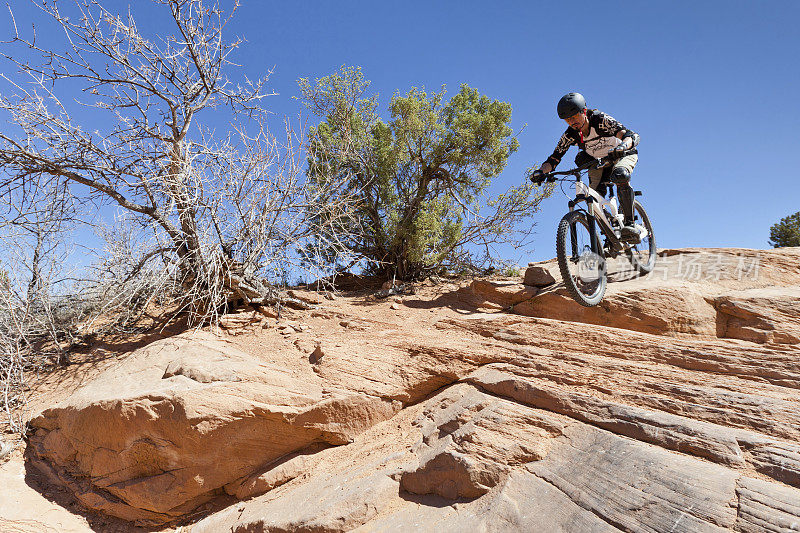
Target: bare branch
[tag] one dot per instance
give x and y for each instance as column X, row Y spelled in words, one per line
column 199, row 216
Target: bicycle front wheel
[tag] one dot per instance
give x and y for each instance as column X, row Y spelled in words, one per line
column 581, row 259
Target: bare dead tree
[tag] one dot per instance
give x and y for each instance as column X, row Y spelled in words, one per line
column 201, row 221
column 12, row 359
column 35, row 323
column 211, row 219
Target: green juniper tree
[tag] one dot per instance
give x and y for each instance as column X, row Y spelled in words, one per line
column 417, row 183
column 786, row 232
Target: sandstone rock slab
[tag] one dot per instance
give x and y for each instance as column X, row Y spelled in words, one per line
column 673, row 407
column 655, row 491
column 769, row 315
column 471, row 441
column 161, row 435
column 764, row 506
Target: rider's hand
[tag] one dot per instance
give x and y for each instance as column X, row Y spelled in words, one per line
column 619, row 150
column 537, row 177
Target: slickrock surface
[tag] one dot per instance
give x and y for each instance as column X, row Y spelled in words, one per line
column 488, row 405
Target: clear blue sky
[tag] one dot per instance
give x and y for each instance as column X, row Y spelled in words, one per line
column 712, row 87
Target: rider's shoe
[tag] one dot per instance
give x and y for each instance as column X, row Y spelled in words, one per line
column 629, row 233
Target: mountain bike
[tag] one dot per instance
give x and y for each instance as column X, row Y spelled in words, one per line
column 581, row 253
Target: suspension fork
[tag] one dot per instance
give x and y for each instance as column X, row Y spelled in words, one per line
column 573, row 240
column 596, row 241
column 592, row 229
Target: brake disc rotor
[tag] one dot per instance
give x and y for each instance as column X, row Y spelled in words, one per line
column 589, row 266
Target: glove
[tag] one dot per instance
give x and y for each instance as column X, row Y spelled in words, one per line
column 619, row 151
column 537, row 177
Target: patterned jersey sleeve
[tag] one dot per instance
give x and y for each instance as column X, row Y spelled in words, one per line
column 562, row 146
column 608, row 125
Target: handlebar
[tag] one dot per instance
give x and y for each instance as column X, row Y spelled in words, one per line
column 596, row 164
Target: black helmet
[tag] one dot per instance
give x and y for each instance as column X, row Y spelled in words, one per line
column 571, row 104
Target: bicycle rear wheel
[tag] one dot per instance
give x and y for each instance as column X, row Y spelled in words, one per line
column 643, row 255
column 581, row 259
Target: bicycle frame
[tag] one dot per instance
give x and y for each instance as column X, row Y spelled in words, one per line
column 594, row 207
column 597, row 209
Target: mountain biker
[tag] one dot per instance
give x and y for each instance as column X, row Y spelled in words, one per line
column 597, row 135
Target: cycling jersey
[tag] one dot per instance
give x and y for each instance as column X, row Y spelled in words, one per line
column 600, row 141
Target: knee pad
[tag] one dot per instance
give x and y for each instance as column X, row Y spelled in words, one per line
column 620, row 176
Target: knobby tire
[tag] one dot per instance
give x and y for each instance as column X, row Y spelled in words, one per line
column 641, row 267
column 564, row 238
